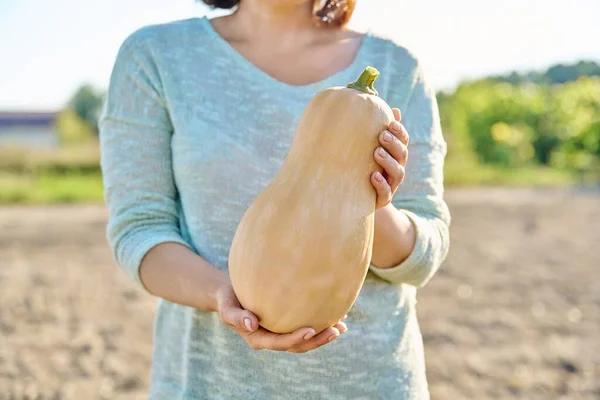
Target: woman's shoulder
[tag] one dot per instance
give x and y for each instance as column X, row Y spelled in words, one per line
column 171, row 35
column 392, row 49
column 400, row 67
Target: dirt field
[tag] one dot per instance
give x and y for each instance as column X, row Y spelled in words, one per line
column 513, row 314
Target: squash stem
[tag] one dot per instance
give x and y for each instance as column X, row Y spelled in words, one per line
column 365, row 81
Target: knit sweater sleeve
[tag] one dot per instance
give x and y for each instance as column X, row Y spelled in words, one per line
column 420, row 196
column 135, row 141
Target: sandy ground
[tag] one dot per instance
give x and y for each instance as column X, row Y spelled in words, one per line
column 514, row 312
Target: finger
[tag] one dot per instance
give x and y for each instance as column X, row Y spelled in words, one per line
column 263, row 339
column 393, row 169
column 384, row 192
column 397, row 114
column 341, row 327
column 236, row 317
column 398, row 130
column 394, row 147
column 326, row 336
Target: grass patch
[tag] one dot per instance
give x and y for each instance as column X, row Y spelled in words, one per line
column 64, row 175
column 463, row 175
column 49, row 188
column 67, row 160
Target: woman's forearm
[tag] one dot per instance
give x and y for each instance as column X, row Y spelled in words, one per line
column 175, row 273
column 395, row 237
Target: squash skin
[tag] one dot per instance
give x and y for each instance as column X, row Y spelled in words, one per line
column 302, row 250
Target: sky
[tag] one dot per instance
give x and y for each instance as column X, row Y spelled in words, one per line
column 49, row 48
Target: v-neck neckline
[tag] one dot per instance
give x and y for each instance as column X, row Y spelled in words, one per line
column 336, row 79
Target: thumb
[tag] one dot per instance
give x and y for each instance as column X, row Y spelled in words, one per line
column 235, row 316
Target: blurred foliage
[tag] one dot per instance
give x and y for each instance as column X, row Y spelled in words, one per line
column 524, row 125
column 21, row 160
column 70, row 173
column 559, row 73
column 72, row 130
column 87, row 104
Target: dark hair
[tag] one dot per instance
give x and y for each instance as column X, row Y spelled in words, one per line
column 221, row 3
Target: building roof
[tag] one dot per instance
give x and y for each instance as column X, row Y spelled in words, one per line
column 26, row 118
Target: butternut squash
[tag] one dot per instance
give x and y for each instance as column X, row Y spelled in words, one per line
column 301, row 251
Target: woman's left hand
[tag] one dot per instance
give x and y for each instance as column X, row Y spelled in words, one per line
column 391, row 155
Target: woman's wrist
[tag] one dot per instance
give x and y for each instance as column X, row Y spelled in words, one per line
column 395, row 237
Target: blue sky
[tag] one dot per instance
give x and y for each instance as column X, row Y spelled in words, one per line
column 49, row 48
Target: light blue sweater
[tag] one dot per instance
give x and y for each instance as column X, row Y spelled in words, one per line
column 190, row 134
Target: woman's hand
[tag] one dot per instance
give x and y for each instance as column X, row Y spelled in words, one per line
column 391, row 155
column 245, row 324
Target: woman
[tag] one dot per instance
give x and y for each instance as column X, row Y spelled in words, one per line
column 198, row 118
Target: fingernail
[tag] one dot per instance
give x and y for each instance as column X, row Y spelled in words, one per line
column 387, row 137
column 395, row 125
column 331, row 338
column 382, row 152
column 378, row 177
column 309, row 335
column 248, row 324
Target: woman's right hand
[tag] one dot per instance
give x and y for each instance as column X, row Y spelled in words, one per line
column 245, row 324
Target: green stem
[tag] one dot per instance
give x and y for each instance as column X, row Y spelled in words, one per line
column 365, row 81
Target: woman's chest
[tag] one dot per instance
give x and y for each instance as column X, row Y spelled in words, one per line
column 228, row 134
column 228, row 145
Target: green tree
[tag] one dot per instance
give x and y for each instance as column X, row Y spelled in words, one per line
column 559, row 73
column 512, row 125
column 87, row 104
